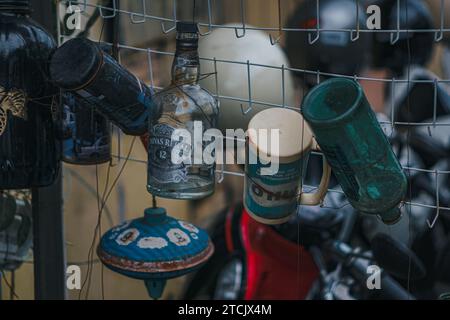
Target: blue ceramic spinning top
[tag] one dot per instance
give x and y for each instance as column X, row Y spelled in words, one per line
column 155, row 248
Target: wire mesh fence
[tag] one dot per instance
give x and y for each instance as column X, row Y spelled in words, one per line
column 163, row 16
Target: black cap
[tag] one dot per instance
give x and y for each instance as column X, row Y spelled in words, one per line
column 75, row 63
column 187, row 27
column 16, row 5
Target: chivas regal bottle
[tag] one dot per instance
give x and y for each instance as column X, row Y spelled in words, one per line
column 183, row 105
column 29, row 152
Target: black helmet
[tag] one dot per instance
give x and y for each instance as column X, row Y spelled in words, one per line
column 334, row 51
column 414, row 15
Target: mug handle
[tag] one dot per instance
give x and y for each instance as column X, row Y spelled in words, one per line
column 313, row 199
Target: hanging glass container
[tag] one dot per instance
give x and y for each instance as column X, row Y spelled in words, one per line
column 7, row 210
column 184, row 105
column 29, row 152
column 356, row 148
column 80, row 65
column 155, row 248
column 16, row 236
column 86, row 133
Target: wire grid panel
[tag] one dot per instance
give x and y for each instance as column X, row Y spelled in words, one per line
column 143, row 13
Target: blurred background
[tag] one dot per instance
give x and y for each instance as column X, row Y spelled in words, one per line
column 129, row 197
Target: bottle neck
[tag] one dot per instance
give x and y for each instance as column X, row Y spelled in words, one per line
column 186, row 64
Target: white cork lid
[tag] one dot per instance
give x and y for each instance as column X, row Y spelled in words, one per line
column 295, row 136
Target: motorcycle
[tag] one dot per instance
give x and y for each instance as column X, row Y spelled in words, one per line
column 325, row 252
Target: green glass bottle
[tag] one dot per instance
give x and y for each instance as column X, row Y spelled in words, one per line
column 356, row 148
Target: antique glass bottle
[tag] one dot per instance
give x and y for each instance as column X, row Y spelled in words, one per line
column 16, row 236
column 29, row 151
column 82, row 66
column 179, row 106
column 86, row 133
column 356, row 148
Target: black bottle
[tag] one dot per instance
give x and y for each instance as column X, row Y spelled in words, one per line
column 81, row 66
column 29, row 152
column 86, row 133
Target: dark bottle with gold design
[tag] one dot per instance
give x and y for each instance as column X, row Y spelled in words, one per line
column 29, row 152
column 182, row 107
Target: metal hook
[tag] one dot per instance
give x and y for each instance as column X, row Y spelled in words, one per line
column 435, row 98
column 312, row 41
column 119, row 145
column 144, row 13
column 209, row 21
column 115, row 159
column 163, row 27
column 274, row 41
column 432, row 223
column 354, row 38
column 317, row 36
column 283, row 87
column 150, row 67
column 221, row 177
column 100, row 9
column 277, row 40
column 240, row 35
column 216, row 75
column 250, row 103
column 318, row 76
column 247, row 110
column 243, row 22
column 392, row 103
column 439, row 35
column 396, row 37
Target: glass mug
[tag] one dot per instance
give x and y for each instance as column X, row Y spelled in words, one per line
column 273, row 198
column 356, row 148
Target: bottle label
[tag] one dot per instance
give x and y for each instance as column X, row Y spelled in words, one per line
column 160, row 165
column 273, row 197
